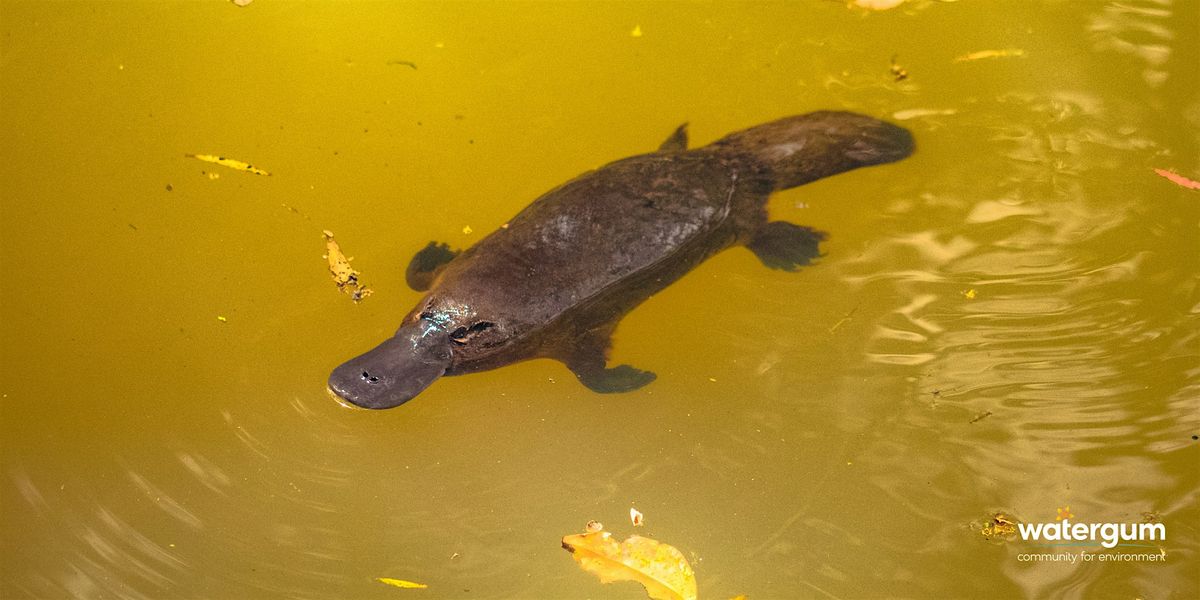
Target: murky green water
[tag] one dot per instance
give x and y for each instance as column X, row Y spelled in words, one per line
column 1004, row 322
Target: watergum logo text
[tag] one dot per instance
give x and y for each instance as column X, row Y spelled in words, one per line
column 1109, row 534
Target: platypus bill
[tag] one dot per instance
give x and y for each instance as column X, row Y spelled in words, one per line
column 555, row 281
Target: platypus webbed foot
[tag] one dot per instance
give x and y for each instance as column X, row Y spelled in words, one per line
column 426, row 264
column 622, row 378
column 586, row 356
column 782, row 245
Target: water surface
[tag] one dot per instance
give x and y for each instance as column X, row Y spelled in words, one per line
column 1004, row 322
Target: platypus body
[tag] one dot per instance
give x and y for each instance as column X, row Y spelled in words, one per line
column 556, row 279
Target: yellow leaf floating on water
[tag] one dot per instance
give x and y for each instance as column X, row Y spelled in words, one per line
column 877, row 4
column 344, row 275
column 659, row 567
column 1178, row 179
column 401, row 583
column 990, row 54
column 229, row 162
column 913, row 113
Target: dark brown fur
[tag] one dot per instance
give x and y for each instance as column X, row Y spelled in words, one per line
column 556, row 280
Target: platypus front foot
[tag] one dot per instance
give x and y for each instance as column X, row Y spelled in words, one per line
column 622, row 378
column 785, row 246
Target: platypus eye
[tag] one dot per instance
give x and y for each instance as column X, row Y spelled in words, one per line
column 463, row 334
column 369, row 378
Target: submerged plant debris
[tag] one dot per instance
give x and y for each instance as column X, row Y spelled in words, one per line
column 913, row 113
column 899, row 73
column 981, row 416
column 877, row 4
column 1006, row 52
column 401, row 583
column 229, row 162
column 344, row 275
column 659, row 567
column 1178, row 179
column 999, row 526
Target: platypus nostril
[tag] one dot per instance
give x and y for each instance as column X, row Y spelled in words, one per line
column 369, row 378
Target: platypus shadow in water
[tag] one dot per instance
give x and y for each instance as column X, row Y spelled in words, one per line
column 555, row 280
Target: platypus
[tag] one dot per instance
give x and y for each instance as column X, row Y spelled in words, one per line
column 556, row 279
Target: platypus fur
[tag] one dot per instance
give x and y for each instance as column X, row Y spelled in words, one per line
column 556, row 279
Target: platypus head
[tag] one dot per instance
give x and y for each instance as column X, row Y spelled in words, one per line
column 398, row 369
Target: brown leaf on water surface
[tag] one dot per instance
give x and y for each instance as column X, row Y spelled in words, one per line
column 659, row 567
column 344, row 275
column 1178, row 179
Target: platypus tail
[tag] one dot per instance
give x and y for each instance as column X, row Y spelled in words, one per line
column 805, row 148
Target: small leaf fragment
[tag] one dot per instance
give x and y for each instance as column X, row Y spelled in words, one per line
column 913, row 113
column 990, row 54
column 1178, row 179
column 344, row 275
column 659, row 567
column 899, row 73
column 401, row 583
column 228, row 162
column 877, row 4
